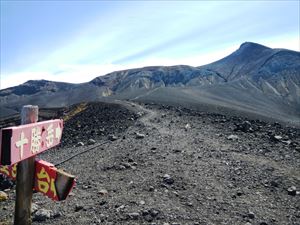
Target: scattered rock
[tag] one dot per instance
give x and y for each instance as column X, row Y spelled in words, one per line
column 103, row 192
column 34, row 208
column 246, row 126
column 263, row 223
column 251, row 215
column 56, row 214
column 78, row 208
column 176, row 150
column 142, row 202
column 79, row 144
column 139, row 136
column 292, row 190
column 134, row 215
column 168, row 179
column 91, row 141
column 42, row 215
column 126, row 165
column 187, row 126
column 5, row 183
column 3, row 196
column 276, row 138
column 287, row 142
column 232, row 137
column 151, row 188
column 112, row 137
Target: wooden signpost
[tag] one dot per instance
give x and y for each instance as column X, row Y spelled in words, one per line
column 25, row 141
column 18, row 147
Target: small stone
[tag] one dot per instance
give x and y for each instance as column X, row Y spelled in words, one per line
column 288, row 142
column 189, row 204
column 263, row 223
column 153, row 212
column 126, row 165
column 5, row 183
column 91, row 141
column 151, row 188
column 139, row 136
column 232, row 137
column 246, row 126
column 103, row 192
column 78, row 208
column 168, row 179
column 34, row 207
column 42, row 215
column 251, row 215
column 292, row 190
column 112, row 137
column 134, row 215
column 142, row 202
column 3, row 196
column 274, row 183
column 276, row 137
column 187, row 126
column 103, row 202
column 57, row 214
column 239, row 193
column 79, row 144
column 176, row 150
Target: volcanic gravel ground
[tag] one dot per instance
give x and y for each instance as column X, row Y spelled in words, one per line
column 178, row 166
column 95, row 121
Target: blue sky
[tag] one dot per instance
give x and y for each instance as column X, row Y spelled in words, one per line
column 75, row 41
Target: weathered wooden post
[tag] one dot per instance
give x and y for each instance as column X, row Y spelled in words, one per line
column 18, row 147
column 25, row 174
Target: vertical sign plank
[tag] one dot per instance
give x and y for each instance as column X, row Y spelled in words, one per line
column 25, row 175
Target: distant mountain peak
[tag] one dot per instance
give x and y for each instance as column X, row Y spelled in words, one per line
column 251, row 45
column 38, row 82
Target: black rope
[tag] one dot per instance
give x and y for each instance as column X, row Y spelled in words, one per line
column 80, row 153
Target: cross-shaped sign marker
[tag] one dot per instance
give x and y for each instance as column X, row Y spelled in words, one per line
column 20, row 144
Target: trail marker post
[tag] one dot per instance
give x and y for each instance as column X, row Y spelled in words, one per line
column 25, row 173
column 18, row 147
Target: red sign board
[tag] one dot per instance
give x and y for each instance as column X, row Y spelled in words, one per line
column 48, row 179
column 21, row 142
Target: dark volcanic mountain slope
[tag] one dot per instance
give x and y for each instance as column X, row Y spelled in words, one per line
column 253, row 78
column 256, row 61
column 250, row 61
column 273, row 71
column 36, row 86
column 156, row 76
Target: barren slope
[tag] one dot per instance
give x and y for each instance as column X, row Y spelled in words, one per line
column 178, row 173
